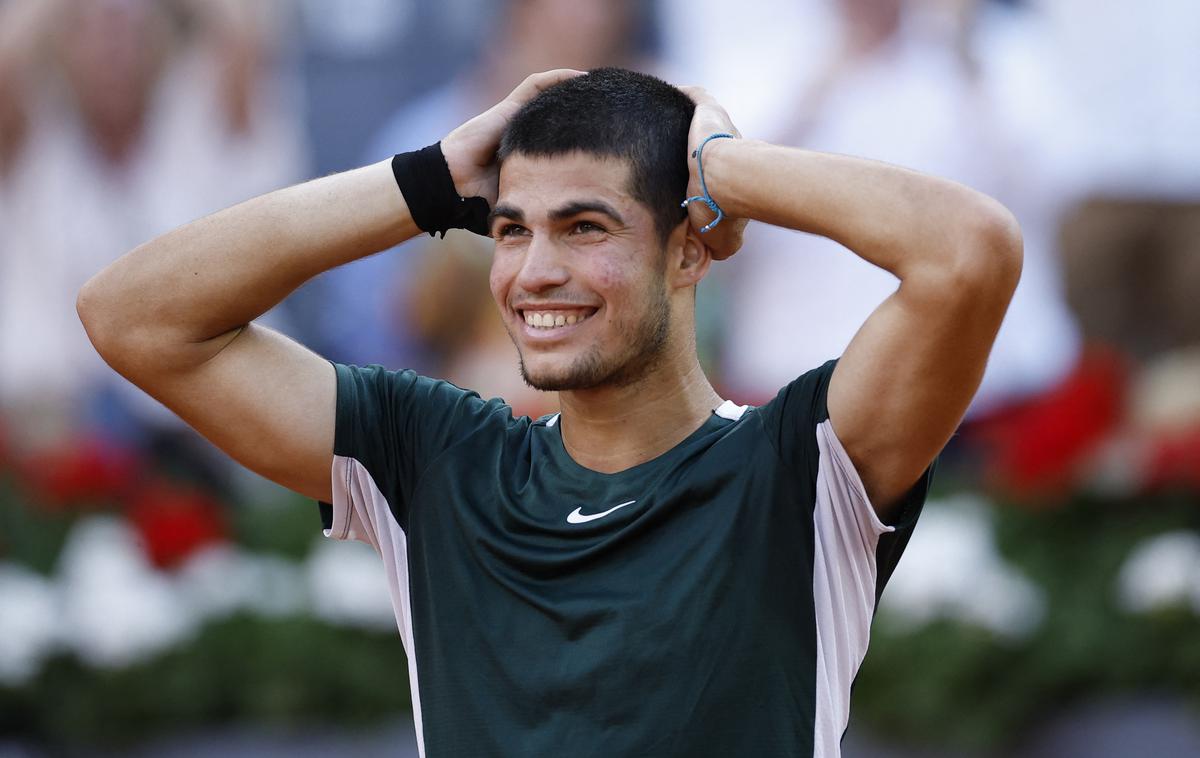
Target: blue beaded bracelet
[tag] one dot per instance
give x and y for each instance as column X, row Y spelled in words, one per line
column 706, row 198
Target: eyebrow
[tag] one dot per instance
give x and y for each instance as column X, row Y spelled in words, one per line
column 569, row 210
column 586, row 206
column 506, row 211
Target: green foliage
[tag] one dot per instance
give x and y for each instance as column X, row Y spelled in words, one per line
column 283, row 672
column 29, row 535
column 951, row 686
column 286, row 526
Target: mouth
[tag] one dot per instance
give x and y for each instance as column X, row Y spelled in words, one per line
column 548, row 321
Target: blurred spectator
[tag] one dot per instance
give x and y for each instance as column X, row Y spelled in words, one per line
column 748, row 59
column 1130, row 111
column 119, row 120
column 429, row 307
column 901, row 85
column 1133, row 271
column 1115, row 169
column 362, row 59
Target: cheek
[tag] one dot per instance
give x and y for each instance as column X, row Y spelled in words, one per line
column 620, row 270
column 500, row 279
column 609, row 275
column 623, row 284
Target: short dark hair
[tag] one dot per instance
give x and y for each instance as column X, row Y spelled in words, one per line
column 612, row 112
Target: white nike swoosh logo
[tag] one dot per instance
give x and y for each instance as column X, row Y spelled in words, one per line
column 576, row 516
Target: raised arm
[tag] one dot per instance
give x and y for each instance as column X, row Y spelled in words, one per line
column 174, row 315
column 906, row 379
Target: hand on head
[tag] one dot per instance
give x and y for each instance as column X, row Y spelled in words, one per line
column 470, row 152
column 724, row 239
column 470, row 149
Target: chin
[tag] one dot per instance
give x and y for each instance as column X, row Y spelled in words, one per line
column 587, row 372
column 585, row 367
column 581, row 374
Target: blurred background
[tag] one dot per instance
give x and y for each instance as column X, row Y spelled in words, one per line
column 156, row 599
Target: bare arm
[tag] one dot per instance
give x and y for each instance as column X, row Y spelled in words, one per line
column 907, row 377
column 174, row 315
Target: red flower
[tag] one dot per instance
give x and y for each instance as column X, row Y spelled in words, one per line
column 1037, row 447
column 81, row 471
column 1176, row 460
column 175, row 521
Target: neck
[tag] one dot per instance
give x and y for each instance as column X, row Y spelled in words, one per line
column 610, row 429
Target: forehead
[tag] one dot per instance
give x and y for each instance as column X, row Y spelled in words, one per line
column 537, row 184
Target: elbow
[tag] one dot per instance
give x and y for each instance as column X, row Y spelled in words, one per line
column 1000, row 238
column 96, row 307
column 89, row 305
column 990, row 251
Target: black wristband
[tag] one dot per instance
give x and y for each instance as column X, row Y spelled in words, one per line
column 424, row 180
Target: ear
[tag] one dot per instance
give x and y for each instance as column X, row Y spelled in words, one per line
column 688, row 257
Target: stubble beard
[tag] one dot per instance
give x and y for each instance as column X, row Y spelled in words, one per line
column 645, row 351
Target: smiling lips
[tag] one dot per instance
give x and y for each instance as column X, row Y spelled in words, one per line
column 552, row 319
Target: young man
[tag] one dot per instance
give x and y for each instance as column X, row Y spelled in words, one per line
column 654, row 571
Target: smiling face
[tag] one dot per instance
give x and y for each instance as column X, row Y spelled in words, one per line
column 579, row 272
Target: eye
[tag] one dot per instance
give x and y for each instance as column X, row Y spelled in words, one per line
column 588, row 227
column 509, row 230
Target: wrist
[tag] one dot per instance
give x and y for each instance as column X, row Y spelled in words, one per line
column 427, row 183
column 720, row 159
column 705, row 196
column 457, row 169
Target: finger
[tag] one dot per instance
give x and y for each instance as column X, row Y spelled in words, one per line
column 704, row 99
column 534, row 84
column 727, row 243
column 699, row 95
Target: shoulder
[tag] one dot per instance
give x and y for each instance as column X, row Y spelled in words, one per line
column 410, row 403
column 804, row 399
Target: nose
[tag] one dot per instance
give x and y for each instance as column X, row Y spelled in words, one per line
column 543, row 265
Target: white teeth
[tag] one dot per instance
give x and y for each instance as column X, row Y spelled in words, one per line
column 551, row 320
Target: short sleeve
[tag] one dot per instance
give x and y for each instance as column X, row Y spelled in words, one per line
column 797, row 423
column 390, row 426
column 853, row 551
column 790, row 420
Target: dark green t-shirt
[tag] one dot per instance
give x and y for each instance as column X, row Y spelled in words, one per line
column 714, row 601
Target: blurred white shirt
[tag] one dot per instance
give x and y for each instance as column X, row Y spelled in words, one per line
column 66, row 213
column 796, row 300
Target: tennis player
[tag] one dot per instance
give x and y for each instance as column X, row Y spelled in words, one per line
column 656, row 570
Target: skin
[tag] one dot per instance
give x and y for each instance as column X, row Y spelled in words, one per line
column 906, row 379
column 571, row 240
column 175, row 315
